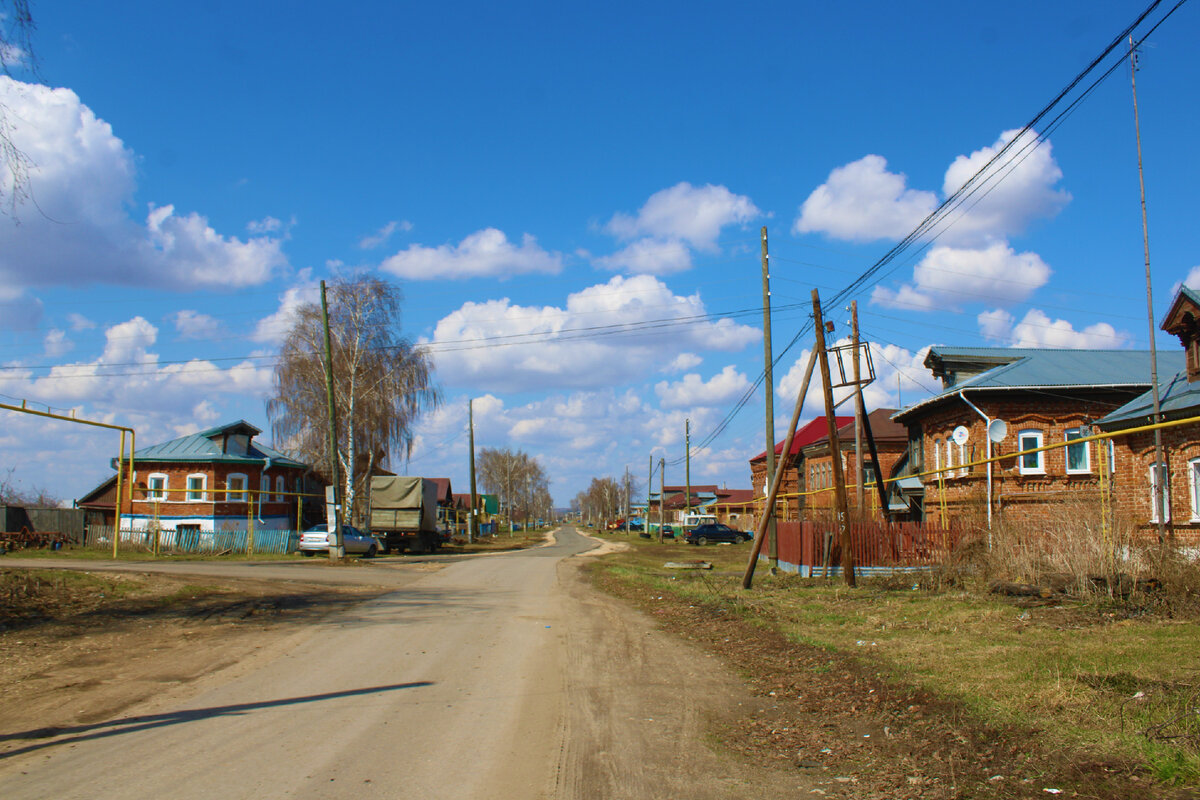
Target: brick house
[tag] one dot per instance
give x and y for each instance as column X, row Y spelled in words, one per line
column 218, row 479
column 1044, row 396
column 891, row 444
column 1133, row 477
column 794, row 477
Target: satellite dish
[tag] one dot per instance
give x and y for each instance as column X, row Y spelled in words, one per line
column 961, row 434
column 997, row 429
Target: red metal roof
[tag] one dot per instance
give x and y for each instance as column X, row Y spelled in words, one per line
column 806, row 435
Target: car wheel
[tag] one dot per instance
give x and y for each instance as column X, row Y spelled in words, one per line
column 743, row 538
column 307, row 553
column 371, row 551
column 701, row 540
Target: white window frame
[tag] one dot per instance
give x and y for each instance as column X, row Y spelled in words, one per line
column 1112, row 457
column 1087, row 453
column 280, row 488
column 197, row 495
column 160, row 494
column 1155, row 470
column 1040, row 467
column 937, row 455
column 237, row 495
column 1194, row 487
column 264, row 489
column 962, row 459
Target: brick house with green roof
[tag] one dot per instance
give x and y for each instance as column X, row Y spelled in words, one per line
column 1045, row 396
column 217, row 479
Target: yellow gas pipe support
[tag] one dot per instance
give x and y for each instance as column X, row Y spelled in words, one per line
column 120, row 456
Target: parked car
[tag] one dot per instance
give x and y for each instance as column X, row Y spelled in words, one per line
column 316, row 540
column 715, row 532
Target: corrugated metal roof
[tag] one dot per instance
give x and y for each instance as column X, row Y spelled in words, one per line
column 1177, row 399
column 1050, row 369
column 203, row 447
column 806, row 435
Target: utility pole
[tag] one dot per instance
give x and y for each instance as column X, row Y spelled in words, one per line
column 687, row 459
column 841, row 512
column 649, row 486
column 1161, row 493
column 769, row 384
column 859, row 414
column 662, row 513
column 473, row 519
column 626, row 488
column 337, row 549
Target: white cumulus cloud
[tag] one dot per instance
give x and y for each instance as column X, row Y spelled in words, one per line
column 951, row 276
column 194, row 325
column 862, row 201
column 83, row 180
column 649, row 257
column 695, row 392
column 485, row 253
column 694, row 214
column 1037, row 329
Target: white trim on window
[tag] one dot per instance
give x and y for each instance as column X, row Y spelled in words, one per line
column 962, row 459
column 1194, row 487
column 1158, row 470
column 280, row 488
column 237, row 486
column 1072, row 450
column 156, row 486
column 264, row 489
column 197, row 495
column 937, row 454
column 1030, row 463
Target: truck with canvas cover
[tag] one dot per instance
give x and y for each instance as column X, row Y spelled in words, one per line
column 404, row 513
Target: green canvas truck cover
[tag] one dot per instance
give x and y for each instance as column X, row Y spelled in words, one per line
column 403, row 503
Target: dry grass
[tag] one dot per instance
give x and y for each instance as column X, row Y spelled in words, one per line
column 1107, row 677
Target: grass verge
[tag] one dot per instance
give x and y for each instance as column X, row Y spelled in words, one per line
column 1093, row 682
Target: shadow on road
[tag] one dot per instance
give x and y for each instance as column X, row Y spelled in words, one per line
column 103, row 730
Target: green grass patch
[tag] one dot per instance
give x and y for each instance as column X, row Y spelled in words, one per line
column 1104, row 681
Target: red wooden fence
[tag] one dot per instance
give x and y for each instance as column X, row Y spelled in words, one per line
column 901, row 544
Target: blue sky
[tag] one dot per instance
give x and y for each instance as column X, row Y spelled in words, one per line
column 529, row 169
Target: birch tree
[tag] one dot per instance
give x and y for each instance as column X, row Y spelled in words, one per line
column 382, row 384
column 517, row 479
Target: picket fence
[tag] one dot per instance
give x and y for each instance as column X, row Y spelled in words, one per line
column 194, row 541
column 878, row 547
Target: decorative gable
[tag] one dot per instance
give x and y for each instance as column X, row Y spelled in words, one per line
column 1183, row 321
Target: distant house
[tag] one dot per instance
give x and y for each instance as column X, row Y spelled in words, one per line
column 794, row 478
column 1044, row 396
column 1133, row 475
column 218, row 479
column 816, row 463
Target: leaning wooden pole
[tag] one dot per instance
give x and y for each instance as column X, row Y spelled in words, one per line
column 841, row 512
column 769, row 505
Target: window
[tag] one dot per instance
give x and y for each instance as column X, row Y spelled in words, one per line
column 156, row 486
column 196, row 484
column 937, row 454
column 962, row 459
column 1159, row 477
column 1030, row 463
column 950, row 458
column 1194, row 487
column 280, row 488
column 264, row 489
column 1079, row 456
column 235, row 488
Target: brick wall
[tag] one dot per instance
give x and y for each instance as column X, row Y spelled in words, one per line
column 1131, row 480
column 961, row 494
column 215, row 504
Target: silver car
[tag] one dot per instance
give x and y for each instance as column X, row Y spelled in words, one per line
column 317, row 540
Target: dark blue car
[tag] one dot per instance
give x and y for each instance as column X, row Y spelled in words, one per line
column 715, row 532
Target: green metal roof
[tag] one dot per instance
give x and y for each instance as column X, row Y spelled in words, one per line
column 1044, row 368
column 206, row 447
column 1177, row 399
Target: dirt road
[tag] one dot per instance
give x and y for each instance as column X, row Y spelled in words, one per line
column 493, row 677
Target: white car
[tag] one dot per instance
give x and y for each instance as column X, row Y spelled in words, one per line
column 317, row 540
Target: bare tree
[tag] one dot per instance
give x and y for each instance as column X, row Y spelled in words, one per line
column 16, row 49
column 382, row 384
column 11, row 493
column 602, row 500
column 519, row 480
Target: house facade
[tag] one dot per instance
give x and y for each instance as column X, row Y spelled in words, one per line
column 795, row 479
column 1134, row 478
column 214, row 480
column 1041, row 397
column 816, row 464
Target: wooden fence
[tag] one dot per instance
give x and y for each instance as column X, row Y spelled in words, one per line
column 194, row 541
column 878, row 547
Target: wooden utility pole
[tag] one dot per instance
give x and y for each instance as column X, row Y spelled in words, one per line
column 768, row 515
column 1161, row 492
column 649, row 487
column 337, row 549
column 769, row 385
column 841, row 512
column 662, row 509
column 473, row 518
column 859, row 414
column 687, row 468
